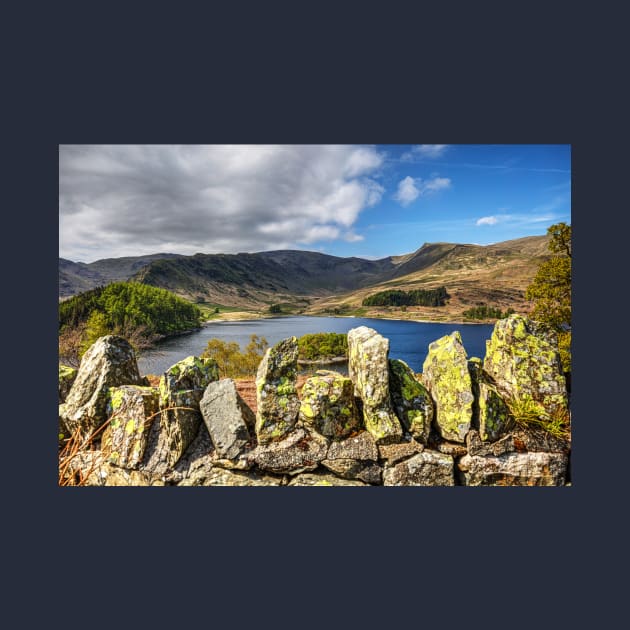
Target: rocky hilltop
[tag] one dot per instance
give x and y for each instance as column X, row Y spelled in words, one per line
column 463, row 421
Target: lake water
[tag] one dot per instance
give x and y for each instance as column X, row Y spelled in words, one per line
column 409, row 341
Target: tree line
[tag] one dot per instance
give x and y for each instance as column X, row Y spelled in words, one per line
column 415, row 297
column 483, row 311
column 138, row 312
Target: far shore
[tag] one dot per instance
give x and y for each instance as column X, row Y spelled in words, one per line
column 248, row 315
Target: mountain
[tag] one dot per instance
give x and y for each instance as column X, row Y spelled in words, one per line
column 497, row 274
column 76, row 277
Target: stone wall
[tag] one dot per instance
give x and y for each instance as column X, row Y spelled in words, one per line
column 454, row 424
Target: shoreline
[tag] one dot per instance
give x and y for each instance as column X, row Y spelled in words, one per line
column 254, row 317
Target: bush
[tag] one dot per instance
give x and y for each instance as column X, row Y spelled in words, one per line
column 231, row 361
column 483, row 311
column 322, row 346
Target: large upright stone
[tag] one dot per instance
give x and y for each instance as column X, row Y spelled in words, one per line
column 224, row 413
column 328, row 405
column 181, row 389
column 522, row 359
column 445, row 371
column 492, row 415
column 412, row 402
column 109, row 362
column 369, row 370
column 132, row 410
column 276, row 391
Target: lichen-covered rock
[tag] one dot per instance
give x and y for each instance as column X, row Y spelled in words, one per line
column 362, row 447
column 490, row 412
column 523, row 361
column 301, row 450
column 369, row 472
column 132, row 409
column 221, row 477
column 181, row 389
column 369, row 370
column 514, row 469
column 93, row 470
column 391, row 454
column 197, row 459
column 355, row 458
column 224, row 413
column 109, row 362
column 445, row 372
column 322, row 479
column 67, row 376
column 451, row 448
column 411, row 400
column 328, row 405
column 428, row 468
column 276, row 392
column 518, row 440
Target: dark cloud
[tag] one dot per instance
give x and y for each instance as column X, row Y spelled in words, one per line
column 129, row 200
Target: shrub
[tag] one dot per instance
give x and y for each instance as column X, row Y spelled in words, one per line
column 231, row 361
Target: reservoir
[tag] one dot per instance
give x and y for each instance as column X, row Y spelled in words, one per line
column 408, row 340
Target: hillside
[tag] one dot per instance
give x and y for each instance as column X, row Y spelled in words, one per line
column 495, row 274
column 316, row 283
column 76, row 277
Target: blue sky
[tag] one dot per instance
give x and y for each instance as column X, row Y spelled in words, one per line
column 484, row 194
column 347, row 200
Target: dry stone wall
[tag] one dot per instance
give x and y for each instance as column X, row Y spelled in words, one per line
column 454, row 424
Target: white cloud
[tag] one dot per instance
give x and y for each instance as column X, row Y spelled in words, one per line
column 430, row 150
column 435, row 184
column 351, row 237
column 407, row 191
column 117, row 200
column 492, row 220
column 409, row 188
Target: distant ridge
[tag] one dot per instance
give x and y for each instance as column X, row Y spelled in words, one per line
column 255, row 280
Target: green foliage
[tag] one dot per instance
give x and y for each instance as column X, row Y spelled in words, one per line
column 137, row 312
column 126, row 305
column 275, row 308
column 483, row 311
column 551, row 290
column 322, row 346
column 96, row 326
column 416, row 297
column 528, row 414
column 231, row 361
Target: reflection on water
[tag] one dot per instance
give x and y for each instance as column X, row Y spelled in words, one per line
column 409, row 341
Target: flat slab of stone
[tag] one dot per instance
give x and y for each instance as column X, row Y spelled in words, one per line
column 324, row 480
column 222, row 477
column 302, row 450
column 391, row 454
column 428, row 468
column 514, row 469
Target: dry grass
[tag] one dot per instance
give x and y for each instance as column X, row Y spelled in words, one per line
column 78, row 445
